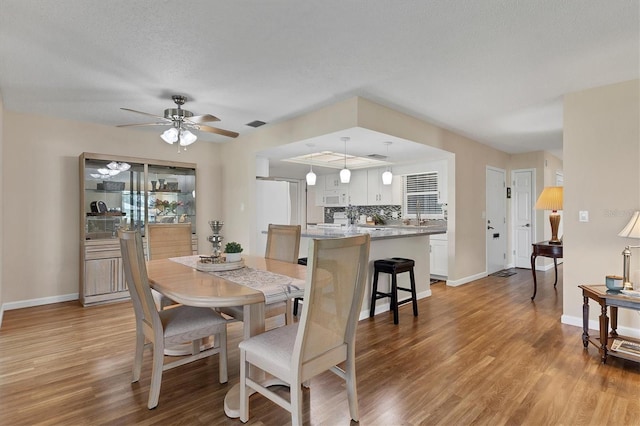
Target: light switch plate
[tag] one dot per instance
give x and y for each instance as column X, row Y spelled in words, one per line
column 583, row 216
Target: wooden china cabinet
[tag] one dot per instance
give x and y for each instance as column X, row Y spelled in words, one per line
column 120, row 191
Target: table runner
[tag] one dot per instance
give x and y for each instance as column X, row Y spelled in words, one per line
column 275, row 287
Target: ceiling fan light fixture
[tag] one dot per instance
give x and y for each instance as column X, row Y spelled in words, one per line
column 170, row 136
column 187, row 138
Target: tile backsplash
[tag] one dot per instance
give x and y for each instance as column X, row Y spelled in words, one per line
column 364, row 210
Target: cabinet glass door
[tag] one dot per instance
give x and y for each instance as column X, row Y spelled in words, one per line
column 172, row 193
column 114, row 195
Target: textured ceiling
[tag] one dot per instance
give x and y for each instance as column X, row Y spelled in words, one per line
column 492, row 70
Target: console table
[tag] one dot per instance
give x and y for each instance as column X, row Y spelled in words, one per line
column 612, row 300
column 545, row 249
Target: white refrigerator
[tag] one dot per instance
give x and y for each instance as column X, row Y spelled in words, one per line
column 277, row 202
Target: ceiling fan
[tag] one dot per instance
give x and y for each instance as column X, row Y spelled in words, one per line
column 181, row 122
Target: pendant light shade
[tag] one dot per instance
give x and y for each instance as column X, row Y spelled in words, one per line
column 311, row 178
column 387, row 176
column 345, row 174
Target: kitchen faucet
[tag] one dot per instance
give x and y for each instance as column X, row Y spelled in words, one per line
column 418, row 206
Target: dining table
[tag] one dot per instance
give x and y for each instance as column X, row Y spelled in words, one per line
column 178, row 279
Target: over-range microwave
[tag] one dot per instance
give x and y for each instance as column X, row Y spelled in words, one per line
column 335, row 199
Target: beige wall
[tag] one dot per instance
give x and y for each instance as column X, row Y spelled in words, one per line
column 546, row 165
column 1, row 202
column 601, row 176
column 40, row 189
column 467, row 199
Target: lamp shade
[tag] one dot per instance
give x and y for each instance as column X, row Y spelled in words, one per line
column 345, row 175
column 387, row 177
column 311, row 178
column 632, row 230
column 170, row 135
column 550, row 199
column 187, row 138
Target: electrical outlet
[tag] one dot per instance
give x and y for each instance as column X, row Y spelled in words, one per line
column 583, row 216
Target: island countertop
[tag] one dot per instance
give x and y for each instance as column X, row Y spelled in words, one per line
column 377, row 233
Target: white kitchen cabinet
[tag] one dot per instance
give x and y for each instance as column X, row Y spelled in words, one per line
column 381, row 194
column 358, row 188
column 332, row 182
column 439, row 255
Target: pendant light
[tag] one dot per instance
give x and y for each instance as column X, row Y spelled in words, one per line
column 345, row 174
column 387, row 176
column 311, row 177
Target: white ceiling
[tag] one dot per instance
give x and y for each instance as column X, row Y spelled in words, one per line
column 493, row 70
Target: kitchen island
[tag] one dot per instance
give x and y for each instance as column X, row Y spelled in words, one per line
column 407, row 242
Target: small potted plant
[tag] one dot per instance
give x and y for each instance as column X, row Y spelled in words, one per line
column 233, row 251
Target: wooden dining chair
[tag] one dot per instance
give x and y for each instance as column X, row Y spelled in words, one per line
column 283, row 243
column 174, row 325
column 166, row 240
column 325, row 335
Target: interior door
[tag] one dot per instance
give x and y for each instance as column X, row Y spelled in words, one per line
column 496, row 220
column 523, row 223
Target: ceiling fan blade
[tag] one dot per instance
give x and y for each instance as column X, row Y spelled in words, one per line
column 144, row 113
column 218, row 131
column 145, row 124
column 202, row 118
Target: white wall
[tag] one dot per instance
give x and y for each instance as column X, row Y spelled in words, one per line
column 601, row 176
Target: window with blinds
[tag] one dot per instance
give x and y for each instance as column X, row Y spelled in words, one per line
column 420, row 193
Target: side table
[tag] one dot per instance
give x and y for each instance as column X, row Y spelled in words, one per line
column 544, row 249
column 612, row 301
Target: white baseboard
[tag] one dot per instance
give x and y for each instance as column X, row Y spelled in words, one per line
column 465, row 280
column 41, row 301
column 1, row 312
column 595, row 326
column 384, row 307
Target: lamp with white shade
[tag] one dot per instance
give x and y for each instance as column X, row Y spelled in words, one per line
column 631, row 230
column 551, row 199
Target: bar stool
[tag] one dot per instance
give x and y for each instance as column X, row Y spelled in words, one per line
column 394, row 266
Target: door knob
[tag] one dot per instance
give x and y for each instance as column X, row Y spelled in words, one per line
column 490, row 227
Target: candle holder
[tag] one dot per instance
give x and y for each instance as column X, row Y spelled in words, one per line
column 216, row 238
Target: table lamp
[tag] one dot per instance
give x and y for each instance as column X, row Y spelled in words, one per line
column 632, row 230
column 551, row 199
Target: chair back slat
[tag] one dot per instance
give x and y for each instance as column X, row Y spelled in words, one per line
column 166, row 240
column 135, row 271
column 336, row 278
column 283, row 242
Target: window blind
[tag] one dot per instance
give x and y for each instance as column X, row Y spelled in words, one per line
column 420, row 193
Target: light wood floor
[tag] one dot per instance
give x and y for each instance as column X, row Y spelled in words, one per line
column 481, row 353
